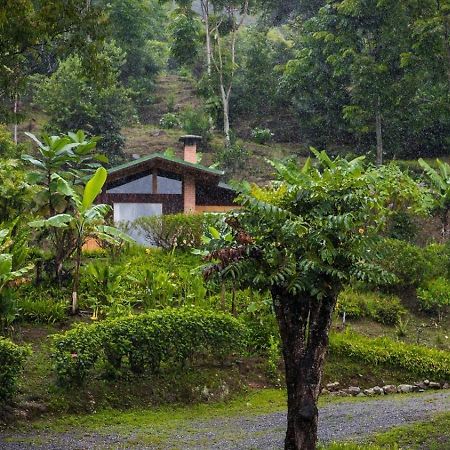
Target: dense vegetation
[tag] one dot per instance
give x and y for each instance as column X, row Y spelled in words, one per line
column 334, row 242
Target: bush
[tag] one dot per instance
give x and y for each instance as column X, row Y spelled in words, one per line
column 406, row 261
column 435, row 296
column 382, row 308
column 415, row 359
column 144, row 342
column 197, row 122
column 261, row 135
column 233, row 158
column 12, row 358
column 42, row 310
column 175, row 230
column 169, row 121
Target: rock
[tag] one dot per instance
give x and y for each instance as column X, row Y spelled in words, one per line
column 325, row 391
column 333, row 386
column 421, row 390
column 434, row 385
column 390, row 389
column 421, row 386
column 353, row 390
column 445, row 386
column 369, row 392
column 426, row 382
column 405, row 388
column 361, row 394
column 377, row 390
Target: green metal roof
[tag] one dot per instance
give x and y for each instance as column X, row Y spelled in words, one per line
column 165, row 158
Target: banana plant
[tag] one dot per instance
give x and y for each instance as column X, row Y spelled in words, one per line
column 71, row 157
column 439, row 182
column 86, row 221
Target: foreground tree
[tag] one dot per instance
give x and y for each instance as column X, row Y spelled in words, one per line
column 303, row 238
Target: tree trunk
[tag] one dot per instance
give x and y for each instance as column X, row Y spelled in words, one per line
column 304, row 323
column 379, row 131
column 16, row 125
column 205, row 8
column 76, row 280
column 226, row 116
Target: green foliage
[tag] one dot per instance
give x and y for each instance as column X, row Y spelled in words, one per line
column 233, row 157
column 144, row 342
column 74, row 101
column 406, row 261
column 434, row 297
column 41, row 310
column 169, row 121
column 185, row 37
column 261, row 135
column 12, row 358
column 382, row 308
column 415, row 359
column 197, row 122
column 273, row 359
column 175, row 230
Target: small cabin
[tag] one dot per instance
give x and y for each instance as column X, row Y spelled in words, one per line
column 160, row 184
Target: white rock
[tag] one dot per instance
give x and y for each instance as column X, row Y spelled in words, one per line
column 390, row 389
column 405, row 388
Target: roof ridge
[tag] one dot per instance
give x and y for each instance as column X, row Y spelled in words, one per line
column 167, row 158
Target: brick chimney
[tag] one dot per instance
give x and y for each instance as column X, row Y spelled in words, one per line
column 190, row 143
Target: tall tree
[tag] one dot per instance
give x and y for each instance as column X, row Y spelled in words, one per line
column 303, row 238
column 30, row 30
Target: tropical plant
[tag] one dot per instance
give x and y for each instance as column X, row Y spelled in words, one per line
column 439, row 181
column 12, row 268
column 86, row 221
column 261, row 135
column 70, row 157
column 302, row 238
column 434, row 297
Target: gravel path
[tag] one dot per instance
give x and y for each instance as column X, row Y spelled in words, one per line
column 339, row 421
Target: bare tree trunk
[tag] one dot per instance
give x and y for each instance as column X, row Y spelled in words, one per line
column 379, row 132
column 304, row 324
column 226, row 115
column 16, row 106
column 205, row 9
column 76, row 280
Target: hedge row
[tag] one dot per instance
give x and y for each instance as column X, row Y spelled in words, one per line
column 12, row 358
column 141, row 343
column 415, row 359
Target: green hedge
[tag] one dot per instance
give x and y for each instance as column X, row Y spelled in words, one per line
column 415, row 359
column 12, row 358
column 142, row 343
column 382, row 308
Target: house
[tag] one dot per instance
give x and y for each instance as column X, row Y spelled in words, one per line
column 161, row 184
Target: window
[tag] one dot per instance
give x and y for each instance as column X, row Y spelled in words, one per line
column 129, row 212
column 169, row 183
column 141, row 185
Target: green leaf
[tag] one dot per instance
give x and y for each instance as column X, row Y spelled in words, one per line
column 94, row 186
column 214, row 232
column 5, row 264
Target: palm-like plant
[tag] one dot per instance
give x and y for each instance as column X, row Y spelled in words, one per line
column 69, row 157
column 87, row 220
column 439, row 182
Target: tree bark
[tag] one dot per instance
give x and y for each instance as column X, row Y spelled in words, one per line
column 76, row 280
column 205, row 8
column 304, row 323
column 379, row 132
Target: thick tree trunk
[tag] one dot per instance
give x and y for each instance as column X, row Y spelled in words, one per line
column 304, row 324
column 379, row 132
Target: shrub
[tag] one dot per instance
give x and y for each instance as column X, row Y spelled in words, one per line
column 382, row 308
column 12, row 358
column 404, row 260
column 169, row 121
column 175, row 230
column 42, row 310
column 144, row 342
column 415, row 359
column 196, row 121
column 261, row 135
column 233, row 158
column 435, row 296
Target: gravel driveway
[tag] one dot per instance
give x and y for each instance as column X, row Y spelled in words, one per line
column 339, row 421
